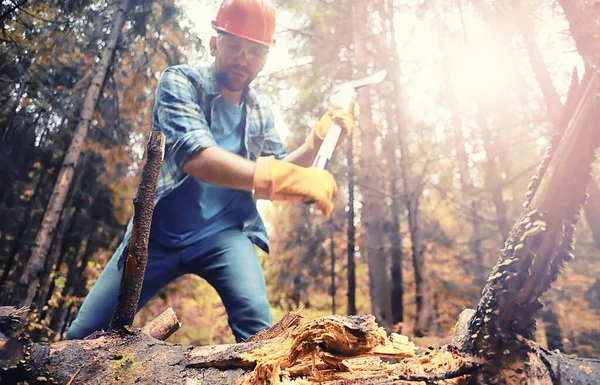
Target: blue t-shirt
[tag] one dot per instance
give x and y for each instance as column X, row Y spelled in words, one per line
column 196, row 209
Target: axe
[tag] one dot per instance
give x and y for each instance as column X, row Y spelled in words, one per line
column 342, row 95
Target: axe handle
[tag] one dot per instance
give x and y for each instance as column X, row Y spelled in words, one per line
column 326, row 150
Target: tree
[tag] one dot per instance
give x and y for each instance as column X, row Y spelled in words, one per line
column 377, row 257
column 29, row 281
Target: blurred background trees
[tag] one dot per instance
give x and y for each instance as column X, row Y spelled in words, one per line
column 429, row 183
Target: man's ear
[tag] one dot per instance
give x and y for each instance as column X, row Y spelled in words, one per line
column 213, row 46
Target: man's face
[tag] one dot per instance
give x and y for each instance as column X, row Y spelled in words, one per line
column 238, row 60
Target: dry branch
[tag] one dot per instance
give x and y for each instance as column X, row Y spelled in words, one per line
column 162, row 326
column 137, row 252
column 541, row 241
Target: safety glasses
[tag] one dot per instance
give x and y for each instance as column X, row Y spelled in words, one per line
column 233, row 46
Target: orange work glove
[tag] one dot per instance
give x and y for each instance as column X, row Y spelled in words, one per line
column 341, row 117
column 277, row 180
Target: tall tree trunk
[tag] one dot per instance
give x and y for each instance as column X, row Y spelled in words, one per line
column 584, row 25
column 396, row 251
column 62, row 239
column 470, row 198
column 351, row 232
column 493, row 178
column 26, row 237
column 412, row 190
column 332, row 288
column 469, row 192
column 554, row 106
column 377, row 257
column 75, row 277
column 28, row 282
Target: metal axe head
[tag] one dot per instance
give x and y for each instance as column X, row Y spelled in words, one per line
column 344, row 92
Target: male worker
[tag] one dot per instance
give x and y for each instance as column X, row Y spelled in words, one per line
column 222, row 152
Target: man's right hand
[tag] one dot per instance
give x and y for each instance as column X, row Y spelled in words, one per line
column 277, row 180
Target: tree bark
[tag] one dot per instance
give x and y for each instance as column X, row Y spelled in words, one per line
column 35, row 210
column 137, row 252
column 469, row 191
column 327, row 351
column 162, row 326
column 584, row 25
column 470, row 198
column 332, row 287
column 376, row 256
column 397, row 253
column 541, row 241
column 351, row 232
column 28, row 283
column 494, row 179
column 412, row 192
column 554, row 106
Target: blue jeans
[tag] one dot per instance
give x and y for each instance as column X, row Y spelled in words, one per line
column 227, row 261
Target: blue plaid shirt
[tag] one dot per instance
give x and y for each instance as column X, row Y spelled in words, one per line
column 184, row 101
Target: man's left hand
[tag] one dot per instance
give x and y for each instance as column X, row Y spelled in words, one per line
column 342, row 118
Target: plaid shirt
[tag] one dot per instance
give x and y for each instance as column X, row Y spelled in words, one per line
column 182, row 99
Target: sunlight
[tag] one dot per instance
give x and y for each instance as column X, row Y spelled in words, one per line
column 479, row 71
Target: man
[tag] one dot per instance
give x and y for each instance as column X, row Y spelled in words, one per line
column 222, row 152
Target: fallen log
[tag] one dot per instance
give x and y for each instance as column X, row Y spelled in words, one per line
column 328, row 350
column 491, row 345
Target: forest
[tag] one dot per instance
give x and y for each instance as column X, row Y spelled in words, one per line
column 443, row 156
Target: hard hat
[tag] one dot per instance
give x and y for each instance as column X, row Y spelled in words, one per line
column 250, row 19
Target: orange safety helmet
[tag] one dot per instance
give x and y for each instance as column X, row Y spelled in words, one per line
column 250, row 19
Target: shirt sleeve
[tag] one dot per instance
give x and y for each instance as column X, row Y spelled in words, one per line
column 179, row 116
column 273, row 144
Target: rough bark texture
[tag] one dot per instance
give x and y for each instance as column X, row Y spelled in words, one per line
column 162, row 326
column 137, row 252
column 584, row 25
column 541, row 241
column 325, row 350
column 553, row 104
column 328, row 350
column 29, row 281
column 592, row 211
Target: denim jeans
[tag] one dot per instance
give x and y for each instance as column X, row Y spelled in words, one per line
column 227, row 261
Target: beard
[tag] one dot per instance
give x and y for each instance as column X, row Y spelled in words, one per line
column 229, row 77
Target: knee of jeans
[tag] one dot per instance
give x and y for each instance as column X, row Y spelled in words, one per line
column 84, row 325
column 250, row 317
column 255, row 308
column 75, row 333
column 253, row 314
